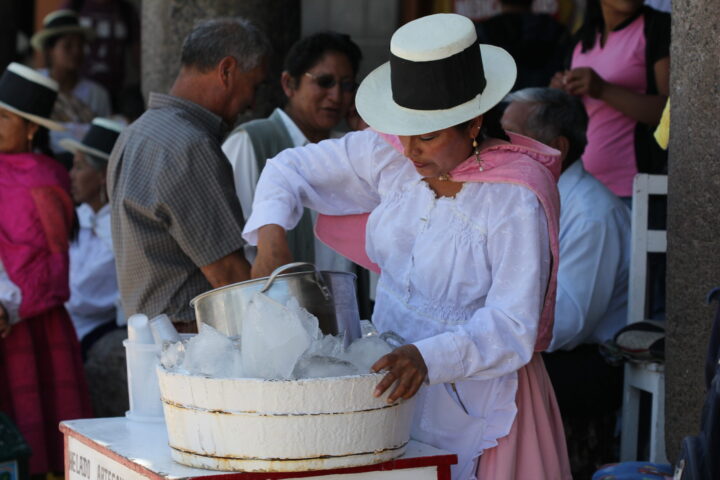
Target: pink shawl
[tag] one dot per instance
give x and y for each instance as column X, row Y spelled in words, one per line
column 523, row 162
column 36, row 214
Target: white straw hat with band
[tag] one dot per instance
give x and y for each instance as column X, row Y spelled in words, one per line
column 438, row 76
column 98, row 141
column 59, row 22
column 29, row 94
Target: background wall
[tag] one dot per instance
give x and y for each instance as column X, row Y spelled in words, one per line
column 165, row 23
column 370, row 23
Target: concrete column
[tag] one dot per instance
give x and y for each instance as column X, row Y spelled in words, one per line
column 693, row 225
column 165, row 23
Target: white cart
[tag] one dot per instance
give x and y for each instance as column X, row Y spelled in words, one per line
column 121, row 449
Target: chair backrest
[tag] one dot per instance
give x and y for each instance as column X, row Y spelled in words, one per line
column 643, row 241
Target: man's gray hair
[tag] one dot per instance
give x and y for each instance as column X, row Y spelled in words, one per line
column 212, row 40
column 554, row 113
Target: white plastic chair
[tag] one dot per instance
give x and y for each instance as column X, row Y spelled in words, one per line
column 643, row 376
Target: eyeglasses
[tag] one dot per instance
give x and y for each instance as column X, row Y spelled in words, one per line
column 327, row 81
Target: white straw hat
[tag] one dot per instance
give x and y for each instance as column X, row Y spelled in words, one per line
column 29, row 94
column 438, row 76
column 98, row 141
column 59, row 22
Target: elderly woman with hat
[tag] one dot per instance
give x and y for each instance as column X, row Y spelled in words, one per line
column 40, row 367
column 461, row 220
column 62, row 42
column 93, row 282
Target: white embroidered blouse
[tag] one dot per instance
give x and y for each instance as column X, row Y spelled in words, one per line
column 463, row 278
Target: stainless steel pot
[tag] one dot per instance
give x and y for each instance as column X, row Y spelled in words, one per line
column 330, row 296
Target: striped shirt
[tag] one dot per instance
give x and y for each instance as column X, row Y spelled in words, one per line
column 174, row 207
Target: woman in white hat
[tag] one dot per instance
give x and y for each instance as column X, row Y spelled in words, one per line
column 40, row 367
column 62, row 42
column 462, row 224
column 93, row 282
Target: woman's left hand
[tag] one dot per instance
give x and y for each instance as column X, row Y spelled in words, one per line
column 406, row 366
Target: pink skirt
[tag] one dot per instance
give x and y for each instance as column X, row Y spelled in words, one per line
column 535, row 447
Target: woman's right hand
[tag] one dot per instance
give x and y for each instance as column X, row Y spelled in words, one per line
column 558, row 80
column 272, row 251
column 405, row 368
column 4, row 322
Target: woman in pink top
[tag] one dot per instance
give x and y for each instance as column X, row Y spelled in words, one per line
column 620, row 66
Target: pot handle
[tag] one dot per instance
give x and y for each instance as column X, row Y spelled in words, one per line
column 393, row 339
column 291, row 266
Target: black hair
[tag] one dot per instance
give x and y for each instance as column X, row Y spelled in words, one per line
column 41, row 141
column 593, row 24
column 51, row 41
column 305, row 53
column 491, row 126
column 519, row 3
column 48, row 45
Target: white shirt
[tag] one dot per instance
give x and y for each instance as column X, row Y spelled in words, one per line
column 10, row 296
column 93, row 281
column 239, row 150
column 462, row 278
column 594, row 261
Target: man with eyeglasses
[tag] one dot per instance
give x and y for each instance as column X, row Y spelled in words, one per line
column 319, row 83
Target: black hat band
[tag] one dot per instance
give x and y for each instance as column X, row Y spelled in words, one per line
column 25, row 95
column 100, row 138
column 438, row 84
column 62, row 21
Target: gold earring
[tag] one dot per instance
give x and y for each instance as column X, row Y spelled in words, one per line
column 30, row 140
column 476, row 152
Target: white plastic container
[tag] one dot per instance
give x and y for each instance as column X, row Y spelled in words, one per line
column 143, row 388
column 281, row 425
column 139, row 329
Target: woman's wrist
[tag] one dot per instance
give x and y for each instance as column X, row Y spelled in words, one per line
column 272, row 240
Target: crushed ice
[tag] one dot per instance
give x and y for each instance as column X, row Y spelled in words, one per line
column 277, row 342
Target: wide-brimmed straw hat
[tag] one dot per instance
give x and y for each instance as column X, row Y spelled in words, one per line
column 438, row 76
column 59, row 22
column 98, row 141
column 29, row 94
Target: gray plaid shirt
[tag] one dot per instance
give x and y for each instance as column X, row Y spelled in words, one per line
column 174, row 207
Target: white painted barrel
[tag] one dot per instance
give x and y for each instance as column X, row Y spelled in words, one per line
column 281, row 425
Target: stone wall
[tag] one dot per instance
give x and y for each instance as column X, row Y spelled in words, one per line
column 693, row 221
column 165, row 23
